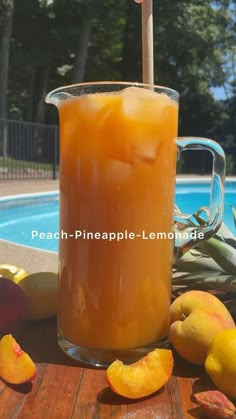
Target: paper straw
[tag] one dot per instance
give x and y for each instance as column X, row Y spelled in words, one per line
column 147, row 42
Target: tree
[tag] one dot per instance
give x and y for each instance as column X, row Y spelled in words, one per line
column 6, row 18
column 56, row 42
column 87, row 11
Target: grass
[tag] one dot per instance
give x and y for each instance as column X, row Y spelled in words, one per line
column 10, row 163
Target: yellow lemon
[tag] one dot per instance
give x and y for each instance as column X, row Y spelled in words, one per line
column 221, row 362
column 12, row 272
column 41, row 291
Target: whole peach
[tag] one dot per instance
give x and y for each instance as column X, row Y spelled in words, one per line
column 195, row 318
column 13, row 306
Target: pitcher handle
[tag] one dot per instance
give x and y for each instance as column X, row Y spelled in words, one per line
column 216, row 210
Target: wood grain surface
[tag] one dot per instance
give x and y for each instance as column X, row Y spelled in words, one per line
column 64, row 389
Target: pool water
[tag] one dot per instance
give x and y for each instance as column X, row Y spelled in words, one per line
column 21, row 216
column 190, row 197
column 36, row 214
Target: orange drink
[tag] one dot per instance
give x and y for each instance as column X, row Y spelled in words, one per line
column 118, row 159
column 118, row 153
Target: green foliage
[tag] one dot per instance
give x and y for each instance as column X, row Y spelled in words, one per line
column 230, row 165
column 194, row 52
column 212, row 263
column 13, row 164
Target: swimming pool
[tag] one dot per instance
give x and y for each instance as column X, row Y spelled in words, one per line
column 21, row 215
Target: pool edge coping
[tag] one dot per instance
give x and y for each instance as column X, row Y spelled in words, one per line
column 31, row 259
column 179, row 180
column 28, row 195
column 38, row 249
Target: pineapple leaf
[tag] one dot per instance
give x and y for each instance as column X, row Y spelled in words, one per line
column 195, row 261
column 234, row 214
column 218, row 253
column 211, row 279
column 222, row 253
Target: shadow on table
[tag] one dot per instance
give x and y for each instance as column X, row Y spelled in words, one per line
column 107, row 396
column 39, row 339
column 185, row 369
column 23, row 388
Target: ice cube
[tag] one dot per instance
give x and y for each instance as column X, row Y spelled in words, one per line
column 145, row 153
column 94, row 103
column 144, row 105
column 138, row 92
column 117, row 171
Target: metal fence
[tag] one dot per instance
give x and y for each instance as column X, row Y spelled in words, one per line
column 28, row 150
column 200, row 162
column 31, row 151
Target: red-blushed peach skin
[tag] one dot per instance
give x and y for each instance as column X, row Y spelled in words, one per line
column 14, row 306
column 142, row 378
column 17, row 349
column 16, row 367
column 196, row 317
column 215, row 404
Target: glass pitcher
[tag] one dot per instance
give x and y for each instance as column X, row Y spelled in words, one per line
column 118, row 152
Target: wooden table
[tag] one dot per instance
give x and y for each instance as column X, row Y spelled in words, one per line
column 63, row 389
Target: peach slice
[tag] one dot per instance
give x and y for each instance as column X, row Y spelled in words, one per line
column 142, row 378
column 16, row 367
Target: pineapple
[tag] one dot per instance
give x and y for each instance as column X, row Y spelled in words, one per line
column 211, row 264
